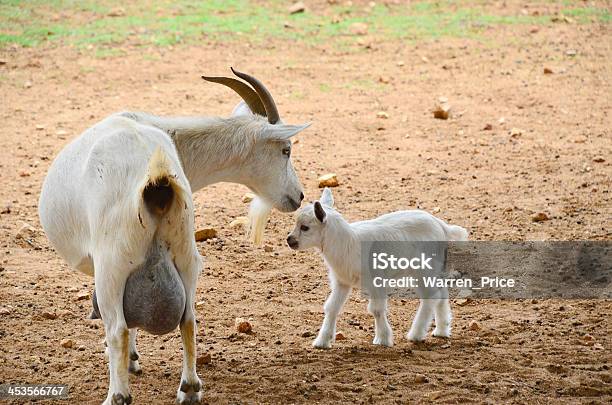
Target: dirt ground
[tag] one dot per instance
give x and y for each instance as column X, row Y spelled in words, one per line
column 548, row 150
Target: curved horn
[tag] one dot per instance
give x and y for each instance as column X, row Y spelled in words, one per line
column 264, row 95
column 244, row 90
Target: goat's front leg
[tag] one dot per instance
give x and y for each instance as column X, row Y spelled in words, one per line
column 333, row 307
column 443, row 317
column 384, row 334
column 110, row 284
column 190, row 390
column 422, row 320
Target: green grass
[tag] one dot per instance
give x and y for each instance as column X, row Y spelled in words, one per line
column 87, row 23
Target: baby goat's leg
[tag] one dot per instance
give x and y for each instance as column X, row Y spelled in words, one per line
column 134, row 367
column 190, row 390
column 443, row 317
column 384, row 334
column 422, row 320
column 110, row 284
column 333, row 307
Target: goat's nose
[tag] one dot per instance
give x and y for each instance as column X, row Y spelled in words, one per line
column 301, row 197
column 291, row 241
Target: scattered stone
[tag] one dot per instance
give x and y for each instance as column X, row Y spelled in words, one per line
column 83, row 295
column 5, row 311
column 6, row 209
column 555, row 368
column 205, row 234
column 487, row 127
column 239, row 221
column 3, row 62
column 27, row 85
column 501, row 121
column 598, row 346
column 383, row 79
column 48, row 315
column 243, row 326
column 67, row 343
column 382, row 114
column 442, row 111
column 420, row 379
column 540, row 217
column 307, row 334
column 248, row 197
column 116, row 12
column 571, row 52
column 268, row 248
column 296, row 8
column 40, row 127
column 61, row 132
column 435, row 395
column 328, row 180
column 340, row 336
column 400, row 63
column 516, row 132
column 206, row 358
column 200, row 304
column 463, row 301
column 599, row 159
column 588, row 338
column 359, row 28
column 473, row 325
column 548, row 71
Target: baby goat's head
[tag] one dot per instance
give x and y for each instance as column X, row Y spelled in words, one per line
column 270, row 173
column 310, row 223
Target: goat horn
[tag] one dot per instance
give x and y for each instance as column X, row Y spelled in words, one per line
column 244, row 90
column 264, row 96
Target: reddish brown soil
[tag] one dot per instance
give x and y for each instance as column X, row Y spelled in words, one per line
column 486, row 180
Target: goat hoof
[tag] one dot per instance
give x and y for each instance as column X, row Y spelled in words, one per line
column 134, row 356
column 120, row 399
column 441, row 333
column 189, row 393
column 134, row 368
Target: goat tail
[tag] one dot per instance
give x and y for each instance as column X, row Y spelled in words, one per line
column 160, row 186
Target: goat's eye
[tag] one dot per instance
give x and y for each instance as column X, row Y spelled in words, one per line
column 287, row 152
column 304, row 228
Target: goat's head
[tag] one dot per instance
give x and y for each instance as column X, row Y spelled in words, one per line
column 270, row 174
column 311, row 222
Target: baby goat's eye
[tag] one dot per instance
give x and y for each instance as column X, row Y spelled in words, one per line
column 304, row 228
column 287, row 152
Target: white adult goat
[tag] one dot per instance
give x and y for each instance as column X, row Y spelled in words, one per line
column 116, row 204
column 319, row 225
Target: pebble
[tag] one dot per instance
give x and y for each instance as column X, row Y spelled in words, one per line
column 340, row 336
column 243, row 326
column 328, row 180
column 203, row 359
column 248, row 197
column 205, row 234
column 473, row 325
column 540, row 217
column 420, row 379
column 83, row 295
column 67, row 343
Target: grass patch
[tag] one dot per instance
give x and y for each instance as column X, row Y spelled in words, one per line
column 107, row 23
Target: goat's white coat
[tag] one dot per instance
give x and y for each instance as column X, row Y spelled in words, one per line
column 92, row 211
column 340, row 245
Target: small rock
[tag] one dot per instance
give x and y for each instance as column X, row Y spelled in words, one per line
column 48, row 315
column 598, row 346
column 548, row 71
column 588, row 338
column 359, row 28
column 200, row 304
column 487, row 127
column 463, row 302
column 473, row 325
column 61, row 132
column 435, row 395
column 442, row 111
column 571, row 52
column 298, row 7
column 307, row 334
column 205, row 233
column 383, row 79
column 328, row 180
column 420, row 379
column 116, row 12
column 2, row 62
column 513, row 392
column 599, row 159
column 516, row 132
column 83, row 295
column 67, row 343
column 5, row 311
column 340, row 336
column 501, row 121
column 382, row 114
column 540, row 217
column 248, row 197
column 206, row 358
column 239, row 221
column 435, row 210
column 27, row 84
column 268, row 249
column 400, row 63
column 243, row 326
column 40, row 127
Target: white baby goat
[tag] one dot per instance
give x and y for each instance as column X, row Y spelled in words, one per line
column 319, row 225
column 116, row 204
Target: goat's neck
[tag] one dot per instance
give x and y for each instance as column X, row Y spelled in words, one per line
column 340, row 245
column 211, row 150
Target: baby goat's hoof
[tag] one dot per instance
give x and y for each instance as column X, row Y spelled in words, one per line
column 442, row 332
column 387, row 341
column 134, row 368
column 189, row 393
column 322, row 344
column 120, row 399
column 416, row 336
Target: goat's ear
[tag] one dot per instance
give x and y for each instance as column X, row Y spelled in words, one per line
column 327, row 198
column 319, row 212
column 282, row 132
column 242, row 109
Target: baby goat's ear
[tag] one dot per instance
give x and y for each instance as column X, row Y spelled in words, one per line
column 327, row 198
column 319, row 212
column 282, row 132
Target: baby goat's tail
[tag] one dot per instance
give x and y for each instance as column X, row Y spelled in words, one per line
column 454, row 232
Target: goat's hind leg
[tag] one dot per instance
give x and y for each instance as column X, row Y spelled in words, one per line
column 443, row 317
column 422, row 320
column 384, row 334
column 134, row 366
